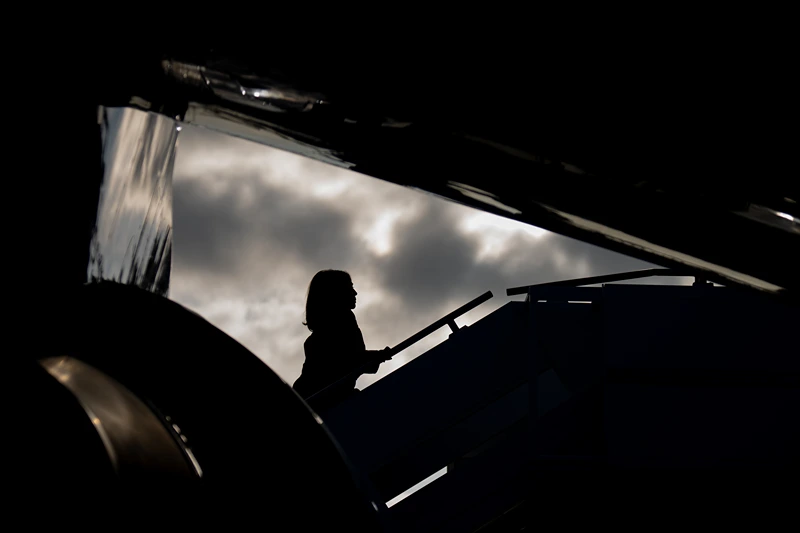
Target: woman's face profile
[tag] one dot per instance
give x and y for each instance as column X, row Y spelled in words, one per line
column 351, row 293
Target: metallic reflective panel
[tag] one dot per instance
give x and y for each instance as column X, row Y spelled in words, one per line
column 255, row 129
column 245, row 101
column 132, row 239
column 136, row 441
column 774, row 218
column 253, row 91
column 613, row 156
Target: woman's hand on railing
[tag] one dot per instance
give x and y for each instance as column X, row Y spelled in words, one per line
column 374, row 360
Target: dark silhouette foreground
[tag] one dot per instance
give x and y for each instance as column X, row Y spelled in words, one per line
column 336, row 346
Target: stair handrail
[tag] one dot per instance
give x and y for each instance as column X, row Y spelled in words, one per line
column 447, row 320
column 608, row 278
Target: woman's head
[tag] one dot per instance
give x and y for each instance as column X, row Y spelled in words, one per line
column 329, row 293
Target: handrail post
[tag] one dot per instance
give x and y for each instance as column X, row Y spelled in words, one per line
column 533, row 390
column 595, row 280
column 453, row 325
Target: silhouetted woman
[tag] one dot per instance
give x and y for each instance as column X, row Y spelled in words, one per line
column 335, row 346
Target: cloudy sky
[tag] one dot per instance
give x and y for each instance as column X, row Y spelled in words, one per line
column 253, row 224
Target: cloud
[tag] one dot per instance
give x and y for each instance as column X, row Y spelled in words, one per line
column 251, row 227
column 253, row 224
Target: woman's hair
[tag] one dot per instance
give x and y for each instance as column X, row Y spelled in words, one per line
column 326, row 296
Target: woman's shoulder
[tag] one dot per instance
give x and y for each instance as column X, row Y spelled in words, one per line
column 310, row 340
column 319, row 338
column 310, row 347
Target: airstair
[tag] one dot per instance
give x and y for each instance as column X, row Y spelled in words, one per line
column 576, row 386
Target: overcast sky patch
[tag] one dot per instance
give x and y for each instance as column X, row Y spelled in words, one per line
column 253, row 224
